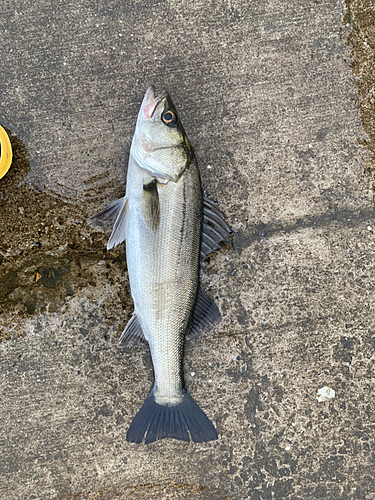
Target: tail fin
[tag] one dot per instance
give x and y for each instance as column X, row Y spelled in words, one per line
column 159, row 421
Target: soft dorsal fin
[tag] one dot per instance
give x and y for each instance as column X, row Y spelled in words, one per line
column 214, row 228
column 206, row 314
column 132, row 334
column 113, row 214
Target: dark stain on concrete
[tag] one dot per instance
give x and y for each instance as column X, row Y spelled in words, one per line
column 48, row 277
column 360, row 16
column 170, row 490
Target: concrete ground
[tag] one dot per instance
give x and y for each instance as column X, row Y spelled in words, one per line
column 267, row 95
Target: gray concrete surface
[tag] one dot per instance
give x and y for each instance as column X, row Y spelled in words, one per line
column 266, row 96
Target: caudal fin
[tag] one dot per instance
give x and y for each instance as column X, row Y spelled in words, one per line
column 159, row 421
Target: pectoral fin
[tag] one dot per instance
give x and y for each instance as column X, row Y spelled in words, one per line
column 150, row 205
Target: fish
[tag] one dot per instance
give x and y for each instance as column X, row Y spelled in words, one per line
column 169, row 227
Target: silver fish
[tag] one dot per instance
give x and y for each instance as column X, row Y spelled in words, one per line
column 169, row 226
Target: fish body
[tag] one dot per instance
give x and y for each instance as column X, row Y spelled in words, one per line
column 163, row 265
column 161, row 218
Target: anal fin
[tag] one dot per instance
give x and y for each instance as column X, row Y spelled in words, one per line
column 132, row 334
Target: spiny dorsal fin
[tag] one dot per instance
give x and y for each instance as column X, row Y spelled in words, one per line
column 150, row 204
column 132, row 334
column 214, row 229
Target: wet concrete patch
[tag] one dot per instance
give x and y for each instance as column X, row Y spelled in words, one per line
column 47, row 251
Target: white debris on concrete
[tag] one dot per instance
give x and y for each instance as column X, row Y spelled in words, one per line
column 325, row 393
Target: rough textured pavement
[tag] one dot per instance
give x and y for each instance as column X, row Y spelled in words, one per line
column 266, row 94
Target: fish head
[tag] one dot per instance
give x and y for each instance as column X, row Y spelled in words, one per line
column 160, row 145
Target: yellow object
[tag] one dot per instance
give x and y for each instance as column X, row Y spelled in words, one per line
column 5, row 152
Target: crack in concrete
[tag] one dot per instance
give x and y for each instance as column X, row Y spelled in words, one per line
column 263, row 231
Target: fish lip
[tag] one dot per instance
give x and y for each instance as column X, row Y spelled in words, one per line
column 150, row 103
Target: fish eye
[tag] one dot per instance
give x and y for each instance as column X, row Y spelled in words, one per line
column 169, row 117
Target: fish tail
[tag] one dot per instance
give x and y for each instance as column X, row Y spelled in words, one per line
column 179, row 421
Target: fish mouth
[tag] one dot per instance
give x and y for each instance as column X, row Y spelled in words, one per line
column 150, row 103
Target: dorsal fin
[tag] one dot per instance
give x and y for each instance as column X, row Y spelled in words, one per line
column 205, row 315
column 214, row 228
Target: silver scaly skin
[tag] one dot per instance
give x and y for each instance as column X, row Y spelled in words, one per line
column 161, row 218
